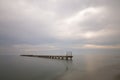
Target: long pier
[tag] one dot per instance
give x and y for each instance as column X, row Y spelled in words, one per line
column 67, row 57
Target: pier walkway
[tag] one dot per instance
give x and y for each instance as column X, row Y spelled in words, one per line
column 51, row 56
column 66, row 57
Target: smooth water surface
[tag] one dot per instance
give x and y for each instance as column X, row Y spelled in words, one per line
column 82, row 67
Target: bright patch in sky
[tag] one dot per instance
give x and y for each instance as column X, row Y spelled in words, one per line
column 89, row 35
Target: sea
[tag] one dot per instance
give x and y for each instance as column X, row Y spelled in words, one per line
column 84, row 66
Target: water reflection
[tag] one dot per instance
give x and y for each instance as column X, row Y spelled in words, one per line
column 67, row 68
column 92, row 67
column 68, row 65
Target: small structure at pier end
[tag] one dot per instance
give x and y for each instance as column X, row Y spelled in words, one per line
column 68, row 56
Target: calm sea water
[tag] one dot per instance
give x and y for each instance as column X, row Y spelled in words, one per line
column 82, row 67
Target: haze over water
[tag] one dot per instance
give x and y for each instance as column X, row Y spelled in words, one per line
column 82, row 67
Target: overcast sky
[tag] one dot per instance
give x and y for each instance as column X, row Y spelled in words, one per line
column 58, row 25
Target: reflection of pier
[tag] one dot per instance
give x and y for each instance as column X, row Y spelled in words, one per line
column 67, row 57
column 68, row 67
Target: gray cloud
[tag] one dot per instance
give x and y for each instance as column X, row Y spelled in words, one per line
column 62, row 24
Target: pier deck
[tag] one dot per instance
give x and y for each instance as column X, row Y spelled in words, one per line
column 51, row 56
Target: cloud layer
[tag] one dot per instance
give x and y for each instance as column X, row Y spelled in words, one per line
column 44, row 25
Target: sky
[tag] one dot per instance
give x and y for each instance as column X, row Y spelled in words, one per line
column 43, row 26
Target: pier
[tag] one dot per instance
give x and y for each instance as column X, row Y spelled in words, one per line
column 68, row 56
